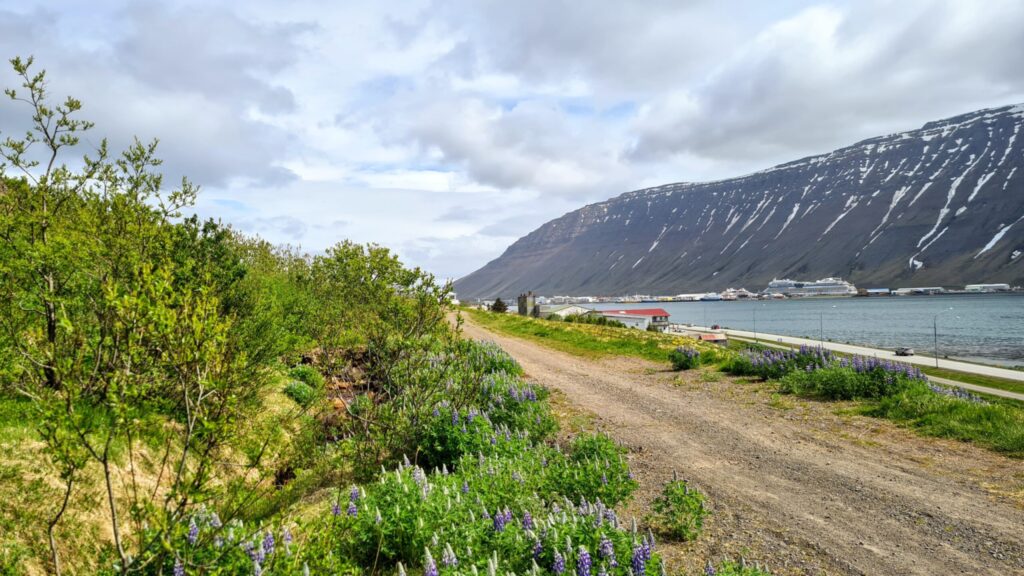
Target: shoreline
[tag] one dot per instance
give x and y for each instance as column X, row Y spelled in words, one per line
column 918, row 360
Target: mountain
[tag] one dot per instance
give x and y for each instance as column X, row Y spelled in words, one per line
column 941, row 205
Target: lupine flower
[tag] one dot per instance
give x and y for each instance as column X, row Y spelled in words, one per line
column 179, row 568
column 538, row 548
column 559, row 564
column 193, row 532
column 448, row 559
column 639, row 561
column 336, row 509
column 352, row 509
column 257, row 569
column 353, row 495
column 709, row 570
column 215, row 520
column 268, row 543
column 429, row 566
column 606, row 550
column 465, row 487
column 583, row 563
column 286, row 535
column 527, row 521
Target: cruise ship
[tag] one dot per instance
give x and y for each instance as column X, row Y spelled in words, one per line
column 823, row 287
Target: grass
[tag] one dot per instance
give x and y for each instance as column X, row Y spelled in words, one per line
column 998, row 426
column 977, row 379
column 585, row 340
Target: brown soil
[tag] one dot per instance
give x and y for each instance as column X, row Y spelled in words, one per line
column 795, row 484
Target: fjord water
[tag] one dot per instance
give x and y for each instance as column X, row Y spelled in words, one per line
column 985, row 328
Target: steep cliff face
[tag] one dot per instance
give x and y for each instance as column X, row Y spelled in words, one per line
column 942, row 205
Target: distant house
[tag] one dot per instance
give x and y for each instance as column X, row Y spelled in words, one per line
column 641, row 318
column 562, row 310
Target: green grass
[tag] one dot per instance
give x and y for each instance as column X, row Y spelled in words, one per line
column 998, row 426
column 586, row 340
column 977, row 379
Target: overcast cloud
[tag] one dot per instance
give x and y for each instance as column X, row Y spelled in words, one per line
column 446, row 130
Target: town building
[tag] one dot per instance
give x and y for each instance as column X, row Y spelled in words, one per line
column 987, row 288
column 561, row 310
column 642, row 318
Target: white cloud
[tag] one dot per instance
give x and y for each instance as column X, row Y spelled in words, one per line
column 446, row 130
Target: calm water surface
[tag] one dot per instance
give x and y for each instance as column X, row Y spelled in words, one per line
column 982, row 327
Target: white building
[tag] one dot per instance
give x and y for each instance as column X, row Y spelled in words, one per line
column 641, row 318
column 987, row 288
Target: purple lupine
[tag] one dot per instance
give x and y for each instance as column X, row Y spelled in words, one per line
column 215, row 520
column 429, row 566
column 538, row 548
column 499, row 521
column 353, row 510
column 336, row 509
column 179, row 568
column 558, row 566
column 527, row 521
column 465, row 487
column 639, row 561
column 709, row 570
column 583, row 563
column 268, row 543
column 606, row 550
column 193, row 532
column 353, row 495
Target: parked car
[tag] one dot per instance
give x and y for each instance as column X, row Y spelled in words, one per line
column 904, row 351
column 716, row 327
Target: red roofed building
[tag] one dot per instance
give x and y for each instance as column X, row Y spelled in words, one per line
column 642, row 318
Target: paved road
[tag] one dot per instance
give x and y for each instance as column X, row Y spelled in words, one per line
column 968, row 367
column 798, row 486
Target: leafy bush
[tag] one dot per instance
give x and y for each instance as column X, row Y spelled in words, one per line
column 684, row 358
column 308, row 375
column 594, row 470
column 301, row 393
column 679, row 511
column 771, row 364
column 837, row 382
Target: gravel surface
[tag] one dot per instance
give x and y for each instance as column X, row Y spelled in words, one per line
column 795, row 484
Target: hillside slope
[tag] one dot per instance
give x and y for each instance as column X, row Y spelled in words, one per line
column 941, row 205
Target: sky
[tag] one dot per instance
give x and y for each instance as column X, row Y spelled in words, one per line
column 446, row 130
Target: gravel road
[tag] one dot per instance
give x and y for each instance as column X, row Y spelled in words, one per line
column 795, row 484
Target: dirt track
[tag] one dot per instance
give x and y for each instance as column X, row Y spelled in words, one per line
column 794, row 484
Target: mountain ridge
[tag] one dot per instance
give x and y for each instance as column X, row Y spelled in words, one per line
column 866, row 192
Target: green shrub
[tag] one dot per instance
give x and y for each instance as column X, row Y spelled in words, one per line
column 308, row 375
column 679, row 511
column 594, row 469
column 301, row 393
column 684, row 358
column 841, row 383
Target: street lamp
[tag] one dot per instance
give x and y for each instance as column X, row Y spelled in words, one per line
column 821, row 327
column 935, row 332
column 755, row 323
